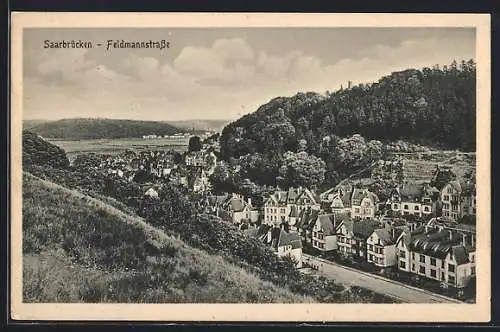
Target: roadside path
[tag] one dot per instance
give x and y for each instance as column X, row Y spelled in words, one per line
column 352, row 277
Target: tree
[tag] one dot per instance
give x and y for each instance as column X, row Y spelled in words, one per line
column 194, row 144
column 302, row 169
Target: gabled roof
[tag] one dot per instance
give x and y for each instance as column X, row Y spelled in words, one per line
column 359, row 194
column 326, row 222
column 456, row 185
column 364, row 228
column 385, row 236
column 286, row 239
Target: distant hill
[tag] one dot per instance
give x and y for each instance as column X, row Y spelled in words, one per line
column 80, row 249
column 200, row 124
column 27, row 124
column 102, row 128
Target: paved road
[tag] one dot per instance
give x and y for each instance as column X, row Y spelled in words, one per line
column 352, row 277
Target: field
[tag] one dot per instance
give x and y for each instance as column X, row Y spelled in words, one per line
column 115, row 146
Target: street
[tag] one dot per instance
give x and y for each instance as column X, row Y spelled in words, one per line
column 350, row 277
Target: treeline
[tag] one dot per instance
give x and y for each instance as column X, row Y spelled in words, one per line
column 102, row 128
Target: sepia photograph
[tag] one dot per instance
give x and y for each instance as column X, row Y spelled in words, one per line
column 241, row 167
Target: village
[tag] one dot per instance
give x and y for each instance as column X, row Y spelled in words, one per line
column 413, row 236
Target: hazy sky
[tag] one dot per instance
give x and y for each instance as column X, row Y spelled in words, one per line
column 217, row 73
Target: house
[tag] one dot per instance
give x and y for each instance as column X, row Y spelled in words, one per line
column 458, row 199
column 337, row 199
column 416, row 199
column 359, row 202
column 437, row 254
column 324, row 237
column 381, row 247
column 237, row 210
column 305, row 223
column 364, row 203
column 284, row 244
column 352, row 236
column 278, row 206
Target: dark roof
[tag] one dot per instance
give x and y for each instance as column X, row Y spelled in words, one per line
column 411, row 192
column 286, row 239
column 327, row 223
column 364, row 228
column 434, row 243
column 385, row 236
column 461, row 255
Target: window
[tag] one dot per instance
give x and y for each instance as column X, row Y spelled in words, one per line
column 433, row 273
column 446, row 198
column 416, row 208
column 402, row 254
column 451, row 268
column 446, row 206
column 282, row 210
column 473, row 270
column 433, row 261
column 405, row 207
column 320, row 236
column 315, row 243
column 451, row 279
column 413, row 267
column 422, row 270
column 422, row 259
column 322, row 245
column 426, row 209
column 370, row 247
column 356, row 210
column 395, row 206
column 442, row 264
column 472, row 258
column 402, row 264
column 413, row 255
column 315, row 234
column 449, row 190
column 442, row 276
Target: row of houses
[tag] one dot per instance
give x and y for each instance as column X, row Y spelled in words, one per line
column 421, row 200
column 439, row 250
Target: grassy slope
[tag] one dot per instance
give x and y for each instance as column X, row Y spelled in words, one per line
column 79, row 249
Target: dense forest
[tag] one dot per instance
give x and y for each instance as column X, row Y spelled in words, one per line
column 349, row 128
column 102, row 128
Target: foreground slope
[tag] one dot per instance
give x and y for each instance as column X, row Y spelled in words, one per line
column 79, row 249
column 102, row 128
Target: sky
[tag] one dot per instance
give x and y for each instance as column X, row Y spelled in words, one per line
column 216, row 73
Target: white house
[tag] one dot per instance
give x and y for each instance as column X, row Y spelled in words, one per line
column 381, row 248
